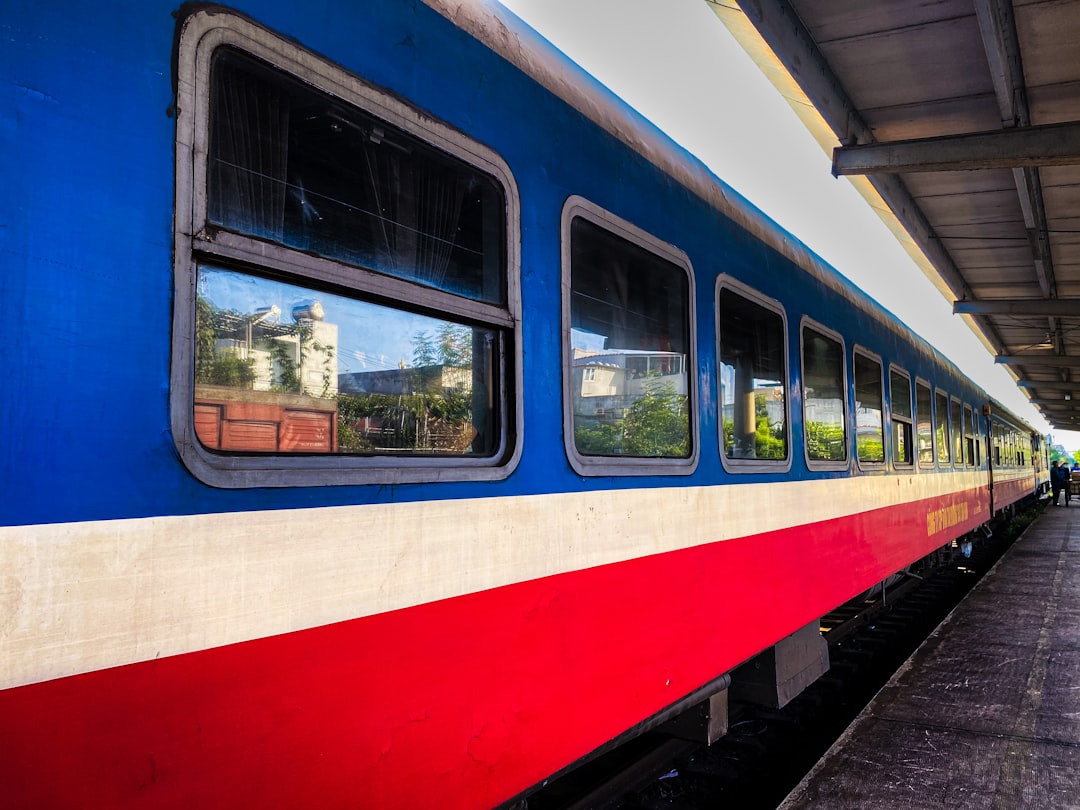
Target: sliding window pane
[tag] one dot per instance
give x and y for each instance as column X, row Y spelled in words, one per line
column 900, row 408
column 294, row 165
column 629, row 325
column 752, row 380
column 823, row 396
column 869, row 411
column 924, row 413
column 282, row 369
column 941, row 426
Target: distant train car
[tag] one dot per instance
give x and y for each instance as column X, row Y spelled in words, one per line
column 395, row 419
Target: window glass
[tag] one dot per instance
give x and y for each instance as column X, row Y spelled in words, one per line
column 291, row 164
column 629, row 341
column 753, row 390
column 278, row 370
column 978, row 441
column 941, row 426
column 956, row 432
column 900, row 408
column 869, row 410
column 923, row 410
column 969, row 436
column 823, row 396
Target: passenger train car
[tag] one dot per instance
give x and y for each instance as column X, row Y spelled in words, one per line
column 395, row 419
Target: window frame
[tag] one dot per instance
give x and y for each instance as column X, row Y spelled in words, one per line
column 823, row 464
column 577, row 207
column 978, row 414
column 943, row 443
column 969, row 436
column 903, row 420
column 754, row 465
column 198, row 242
column 956, row 431
column 925, row 385
column 861, row 351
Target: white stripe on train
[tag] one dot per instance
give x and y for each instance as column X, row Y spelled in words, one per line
column 78, row 597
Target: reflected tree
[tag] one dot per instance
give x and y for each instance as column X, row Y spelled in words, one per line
column 656, row 425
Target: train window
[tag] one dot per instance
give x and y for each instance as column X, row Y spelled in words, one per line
column 956, row 432
column 997, row 445
column 969, row 436
column 924, row 414
column 347, row 300
column 869, row 410
column 977, row 430
column 901, row 417
column 941, row 426
column 824, row 383
column 753, row 378
column 628, row 316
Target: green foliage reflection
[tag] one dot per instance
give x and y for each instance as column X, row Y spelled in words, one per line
column 656, row 425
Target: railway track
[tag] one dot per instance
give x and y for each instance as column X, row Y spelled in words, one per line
column 767, row 751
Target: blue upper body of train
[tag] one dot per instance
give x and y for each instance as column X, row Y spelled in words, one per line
column 88, row 179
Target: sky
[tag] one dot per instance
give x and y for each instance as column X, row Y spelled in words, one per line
column 677, row 64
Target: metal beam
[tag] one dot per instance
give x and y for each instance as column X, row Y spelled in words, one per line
column 1057, row 404
column 1050, row 145
column 1053, row 360
column 997, row 27
column 1049, row 385
column 1054, row 307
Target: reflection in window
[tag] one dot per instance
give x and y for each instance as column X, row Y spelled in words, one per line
column 900, row 408
column 923, row 410
column 629, row 319
column 752, row 380
column 823, row 396
column 956, row 432
column 969, row 437
column 869, row 410
column 941, row 426
column 296, row 166
column 279, row 368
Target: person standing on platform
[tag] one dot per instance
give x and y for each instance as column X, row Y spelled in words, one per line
column 1055, row 481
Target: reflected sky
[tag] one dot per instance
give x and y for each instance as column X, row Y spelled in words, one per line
column 371, row 337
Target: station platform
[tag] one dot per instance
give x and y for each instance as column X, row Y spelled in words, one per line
column 986, row 714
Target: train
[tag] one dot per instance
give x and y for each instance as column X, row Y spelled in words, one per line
column 396, row 419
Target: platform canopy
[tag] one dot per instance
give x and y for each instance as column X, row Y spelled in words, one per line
column 960, row 121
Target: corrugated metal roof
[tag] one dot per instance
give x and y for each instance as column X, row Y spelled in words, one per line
column 962, row 118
